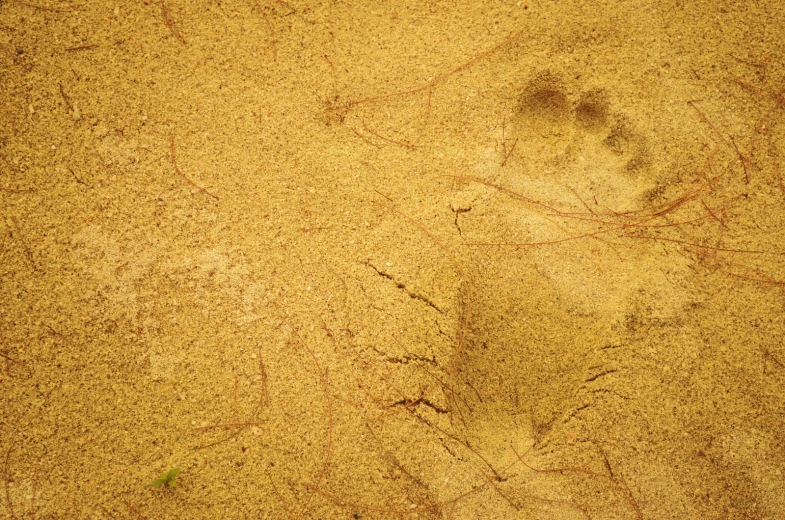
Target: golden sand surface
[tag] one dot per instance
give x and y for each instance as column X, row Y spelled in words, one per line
column 392, row 260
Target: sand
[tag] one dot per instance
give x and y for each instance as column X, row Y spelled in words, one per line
column 433, row 260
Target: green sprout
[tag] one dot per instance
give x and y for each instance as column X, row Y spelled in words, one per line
column 167, row 479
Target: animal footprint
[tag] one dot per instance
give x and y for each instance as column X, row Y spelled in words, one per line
column 571, row 166
column 575, row 138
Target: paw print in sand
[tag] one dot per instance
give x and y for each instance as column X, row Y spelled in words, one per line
column 570, row 167
column 573, row 136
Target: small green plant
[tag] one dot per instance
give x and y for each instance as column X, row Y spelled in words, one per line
column 167, row 479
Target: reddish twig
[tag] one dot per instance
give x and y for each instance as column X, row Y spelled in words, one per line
column 742, row 159
column 769, row 355
column 227, row 426
column 169, row 22
column 393, row 141
column 324, row 378
column 181, row 174
column 5, row 483
column 504, row 162
column 135, row 511
column 106, row 512
column 264, row 398
column 82, row 47
column 618, row 484
column 361, row 136
column 33, row 491
column 441, row 77
column 23, row 242
column 512, row 193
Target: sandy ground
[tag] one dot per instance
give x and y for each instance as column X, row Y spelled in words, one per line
column 434, row 260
